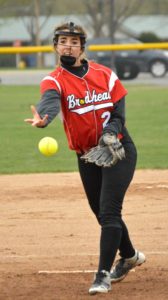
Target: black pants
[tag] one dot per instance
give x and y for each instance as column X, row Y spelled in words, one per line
column 105, row 189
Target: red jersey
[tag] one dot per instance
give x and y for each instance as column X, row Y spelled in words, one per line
column 86, row 102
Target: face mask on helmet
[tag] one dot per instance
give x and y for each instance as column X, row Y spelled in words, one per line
column 71, row 30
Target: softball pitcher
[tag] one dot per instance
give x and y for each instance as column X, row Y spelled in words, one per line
column 92, row 101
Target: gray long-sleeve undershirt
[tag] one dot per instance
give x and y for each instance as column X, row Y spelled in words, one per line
column 49, row 104
column 117, row 119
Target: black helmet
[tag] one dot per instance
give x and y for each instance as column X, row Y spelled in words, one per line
column 70, row 29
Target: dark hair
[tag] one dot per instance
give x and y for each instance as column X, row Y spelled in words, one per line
column 70, row 29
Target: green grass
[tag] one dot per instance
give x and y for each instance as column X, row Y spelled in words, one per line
column 146, row 112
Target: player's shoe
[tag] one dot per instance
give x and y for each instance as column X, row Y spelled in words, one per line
column 101, row 284
column 124, row 265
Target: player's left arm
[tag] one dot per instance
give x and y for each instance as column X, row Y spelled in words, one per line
column 117, row 119
column 110, row 133
column 109, row 149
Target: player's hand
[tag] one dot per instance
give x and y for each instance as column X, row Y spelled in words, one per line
column 107, row 153
column 100, row 155
column 115, row 146
column 37, row 120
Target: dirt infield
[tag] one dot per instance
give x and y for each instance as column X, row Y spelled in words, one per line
column 46, row 225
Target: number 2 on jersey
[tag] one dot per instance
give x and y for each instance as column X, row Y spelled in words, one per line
column 106, row 115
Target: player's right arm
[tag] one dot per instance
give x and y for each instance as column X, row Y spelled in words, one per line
column 48, row 107
column 37, row 120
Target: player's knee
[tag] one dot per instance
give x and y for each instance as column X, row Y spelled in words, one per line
column 107, row 220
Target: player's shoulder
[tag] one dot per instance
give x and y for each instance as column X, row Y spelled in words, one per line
column 51, row 81
column 56, row 72
column 98, row 66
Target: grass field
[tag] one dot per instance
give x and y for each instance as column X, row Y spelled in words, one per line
column 147, row 111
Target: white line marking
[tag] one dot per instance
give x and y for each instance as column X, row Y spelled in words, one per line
column 72, row 255
column 65, row 271
column 70, row 271
column 164, row 186
column 156, row 252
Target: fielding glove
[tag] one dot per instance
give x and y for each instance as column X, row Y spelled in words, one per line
column 100, row 155
column 114, row 145
column 107, row 153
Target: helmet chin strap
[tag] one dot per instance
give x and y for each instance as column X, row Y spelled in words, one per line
column 67, row 60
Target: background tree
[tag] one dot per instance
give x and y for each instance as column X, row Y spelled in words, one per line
column 105, row 17
column 102, row 18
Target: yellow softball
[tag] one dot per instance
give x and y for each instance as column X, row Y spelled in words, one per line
column 48, row 146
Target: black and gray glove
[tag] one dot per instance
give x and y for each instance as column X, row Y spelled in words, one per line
column 114, row 145
column 100, row 155
column 107, row 153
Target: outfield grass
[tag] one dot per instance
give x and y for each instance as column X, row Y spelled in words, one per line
column 147, row 115
column 147, row 111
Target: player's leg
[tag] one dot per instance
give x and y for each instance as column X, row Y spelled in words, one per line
column 115, row 181
column 130, row 257
column 91, row 177
column 110, row 219
column 126, row 248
